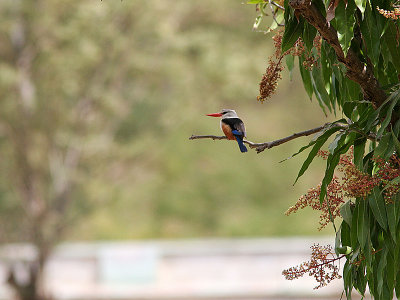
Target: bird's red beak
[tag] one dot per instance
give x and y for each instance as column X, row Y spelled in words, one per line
column 215, row 115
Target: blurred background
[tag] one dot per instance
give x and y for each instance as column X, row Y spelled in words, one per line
column 102, row 194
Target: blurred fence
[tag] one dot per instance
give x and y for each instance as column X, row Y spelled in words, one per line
column 184, row 269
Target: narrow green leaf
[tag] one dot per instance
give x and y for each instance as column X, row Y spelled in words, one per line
column 345, row 212
column 391, row 270
column 293, row 30
column 290, row 64
column 358, row 152
column 344, row 23
column 320, row 89
column 370, row 33
column 397, row 285
column 379, row 272
column 317, row 145
column 396, row 142
column 394, row 99
column 353, row 89
column 360, row 222
column 343, row 144
column 345, row 232
column 361, row 5
column 377, row 204
column 385, row 147
column 257, row 22
column 391, row 42
column 309, row 35
column 348, row 278
column 306, row 78
column 348, row 108
column 391, row 212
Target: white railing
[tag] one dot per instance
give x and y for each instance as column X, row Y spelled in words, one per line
column 181, row 269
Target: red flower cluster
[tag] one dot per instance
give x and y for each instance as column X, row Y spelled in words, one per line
column 321, row 266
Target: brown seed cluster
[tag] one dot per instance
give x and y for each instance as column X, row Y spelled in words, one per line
column 321, row 266
column 272, row 75
column 390, row 14
column 353, row 183
column 330, row 208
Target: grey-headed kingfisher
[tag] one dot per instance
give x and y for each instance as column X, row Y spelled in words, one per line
column 232, row 126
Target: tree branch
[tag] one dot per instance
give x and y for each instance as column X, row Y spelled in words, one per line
column 260, row 147
column 356, row 70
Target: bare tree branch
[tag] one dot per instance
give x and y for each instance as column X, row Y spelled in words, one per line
column 260, row 147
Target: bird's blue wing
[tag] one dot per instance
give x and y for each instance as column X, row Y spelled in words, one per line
column 239, row 138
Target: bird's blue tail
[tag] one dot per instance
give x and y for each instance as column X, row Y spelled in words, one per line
column 240, row 143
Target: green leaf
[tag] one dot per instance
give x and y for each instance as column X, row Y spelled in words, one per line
column 321, row 6
column 306, row 78
column 255, row 1
column 293, row 30
column 377, row 204
column 257, row 22
column 290, row 64
column 345, row 212
column 341, row 146
column 361, row 5
column 385, row 147
column 344, row 23
column 336, row 141
column 348, row 278
column 392, row 216
column 358, row 153
column 394, row 99
column 391, row 271
column 348, row 108
column 353, row 89
column 319, row 142
column 320, row 89
column 360, row 222
column 379, row 272
column 345, row 233
column 396, row 142
column 371, row 34
column 397, row 285
column 309, row 35
column 391, row 42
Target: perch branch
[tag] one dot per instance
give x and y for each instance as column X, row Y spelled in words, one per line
column 260, row 147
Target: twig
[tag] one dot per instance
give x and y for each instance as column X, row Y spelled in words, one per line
column 277, row 5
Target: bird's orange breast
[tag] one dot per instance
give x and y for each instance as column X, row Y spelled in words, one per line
column 227, row 131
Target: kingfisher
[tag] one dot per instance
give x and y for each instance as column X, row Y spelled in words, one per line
column 232, row 127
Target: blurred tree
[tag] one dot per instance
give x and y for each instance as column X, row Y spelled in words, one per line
column 64, row 81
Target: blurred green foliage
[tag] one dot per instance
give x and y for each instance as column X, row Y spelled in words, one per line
column 128, row 82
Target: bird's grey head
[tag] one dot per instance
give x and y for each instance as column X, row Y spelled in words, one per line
column 228, row 113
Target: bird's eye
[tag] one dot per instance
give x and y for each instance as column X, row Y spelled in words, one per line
column 224, row 112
